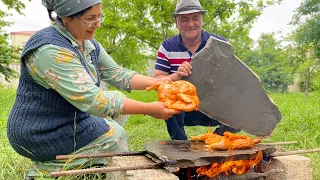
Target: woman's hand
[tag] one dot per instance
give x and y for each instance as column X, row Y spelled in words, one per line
column 184, row 69
column 159, row 111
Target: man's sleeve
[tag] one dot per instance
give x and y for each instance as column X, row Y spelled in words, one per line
column 162, row 60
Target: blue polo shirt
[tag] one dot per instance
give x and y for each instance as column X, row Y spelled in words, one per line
column 172, row 52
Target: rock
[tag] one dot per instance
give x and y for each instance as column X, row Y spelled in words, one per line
column 230, row 92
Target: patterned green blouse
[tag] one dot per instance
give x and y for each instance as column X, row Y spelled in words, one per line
column 58, row 68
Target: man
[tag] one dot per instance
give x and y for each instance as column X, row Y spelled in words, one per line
column 173, row 60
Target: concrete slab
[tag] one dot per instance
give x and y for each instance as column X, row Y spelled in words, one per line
column 296, row 167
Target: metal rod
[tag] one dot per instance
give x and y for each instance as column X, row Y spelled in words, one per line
column 100, row 155
column 280, row 143
column 106, row 169
column 293, row 152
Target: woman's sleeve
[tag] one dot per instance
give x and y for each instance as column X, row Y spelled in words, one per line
column 112, row 73
column 60, row 69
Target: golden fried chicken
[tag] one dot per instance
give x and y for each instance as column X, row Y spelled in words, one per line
column 228, row 141
column 179, row 95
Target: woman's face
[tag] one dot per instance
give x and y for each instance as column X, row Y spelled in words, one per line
column 83, row 27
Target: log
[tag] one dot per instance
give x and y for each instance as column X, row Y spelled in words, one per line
column 99, row 155
column 104, row 170
column 279, row 143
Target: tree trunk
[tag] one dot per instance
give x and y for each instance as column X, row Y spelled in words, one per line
column 307, row 83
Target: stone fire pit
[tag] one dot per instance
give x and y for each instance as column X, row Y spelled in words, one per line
column 291, row 167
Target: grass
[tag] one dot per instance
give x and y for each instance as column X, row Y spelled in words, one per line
column 300, row 122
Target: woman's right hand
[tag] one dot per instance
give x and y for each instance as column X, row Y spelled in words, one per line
column 158, row 110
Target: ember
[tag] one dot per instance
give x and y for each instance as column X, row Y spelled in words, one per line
column 230, row 167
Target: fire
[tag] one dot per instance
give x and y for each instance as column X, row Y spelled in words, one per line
column 230, row 167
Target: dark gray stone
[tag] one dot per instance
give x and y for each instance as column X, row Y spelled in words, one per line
column 183, row 153
column 230, row 92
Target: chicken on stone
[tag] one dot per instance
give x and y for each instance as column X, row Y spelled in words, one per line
column 179, row 95
column 228, row 141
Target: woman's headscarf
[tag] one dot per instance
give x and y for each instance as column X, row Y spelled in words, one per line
column 65, row 8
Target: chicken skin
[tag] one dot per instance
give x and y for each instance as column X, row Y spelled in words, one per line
column 228, row 141
column 179, row 95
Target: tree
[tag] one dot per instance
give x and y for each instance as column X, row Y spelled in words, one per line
column 306, row 65
column 7, row 52
column 307, row 21
column 134, row 29
column 307, row 38
column 271, row 64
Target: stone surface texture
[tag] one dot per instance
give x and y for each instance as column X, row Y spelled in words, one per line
column 230, row 92
column 296, row 167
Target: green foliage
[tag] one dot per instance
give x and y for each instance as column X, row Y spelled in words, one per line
column 15, row 4
column 271, row 64
column 308, row 33
column 134, row 30
column 8, row 54
column 314, row 84
column 233, row 20
column 307, row 38
column 306, row 19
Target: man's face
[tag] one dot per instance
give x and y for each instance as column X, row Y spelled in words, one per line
column 189, row 25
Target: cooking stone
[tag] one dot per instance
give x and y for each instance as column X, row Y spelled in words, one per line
column 230, row 92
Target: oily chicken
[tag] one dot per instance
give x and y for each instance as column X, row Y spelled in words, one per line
column 179, row 95
column 228, row 141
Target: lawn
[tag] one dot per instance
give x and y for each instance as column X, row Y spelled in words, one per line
column 300, row 122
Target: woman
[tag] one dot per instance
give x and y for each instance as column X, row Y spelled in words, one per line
column 59, row 108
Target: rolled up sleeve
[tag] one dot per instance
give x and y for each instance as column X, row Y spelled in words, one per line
column 112, row 73
column 60, row 69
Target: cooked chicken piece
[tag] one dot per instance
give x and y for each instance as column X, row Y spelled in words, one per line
column 242, row 143
column 201, row 137
column 229, row 141
column 222, row 144
column 179, row 95
column 213, row 139
column 232, row 136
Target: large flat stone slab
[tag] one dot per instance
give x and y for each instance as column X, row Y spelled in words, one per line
column 230, row 92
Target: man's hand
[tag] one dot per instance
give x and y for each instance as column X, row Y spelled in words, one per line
column 184, row 69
